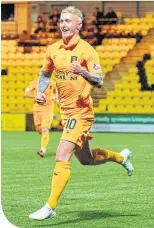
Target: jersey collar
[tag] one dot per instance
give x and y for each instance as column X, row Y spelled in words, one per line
column 71, row 45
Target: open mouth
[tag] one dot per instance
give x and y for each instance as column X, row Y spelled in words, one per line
column 65, row 30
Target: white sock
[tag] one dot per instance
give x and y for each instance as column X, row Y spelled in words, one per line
column 47, row 205
column 43, row 150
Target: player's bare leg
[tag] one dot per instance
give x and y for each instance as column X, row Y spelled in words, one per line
column 98, row 156
column 59, row 180
column 84, row 155
column 44, row 141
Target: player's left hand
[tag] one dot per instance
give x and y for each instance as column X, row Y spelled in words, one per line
column 76, row 67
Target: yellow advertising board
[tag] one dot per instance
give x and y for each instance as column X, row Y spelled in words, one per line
column 13, row 122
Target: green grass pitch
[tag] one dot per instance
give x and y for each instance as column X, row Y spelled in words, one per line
column 97, row 196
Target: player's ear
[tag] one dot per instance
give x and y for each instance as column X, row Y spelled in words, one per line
column 79, row 26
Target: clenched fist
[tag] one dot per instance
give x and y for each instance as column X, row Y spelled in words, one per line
column 41, row 98
column 76, row 67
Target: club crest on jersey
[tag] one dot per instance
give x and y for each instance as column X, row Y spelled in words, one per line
column 74, row 58
column 54, row 56
column 96, row 67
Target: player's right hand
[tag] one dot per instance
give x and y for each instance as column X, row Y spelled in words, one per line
column 76, row 67
column 41, row 98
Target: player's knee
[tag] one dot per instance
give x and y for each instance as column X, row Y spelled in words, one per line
column 38, row 129
column 62, row 157
column 65, row 151
column 45, row 130
column 85, row 162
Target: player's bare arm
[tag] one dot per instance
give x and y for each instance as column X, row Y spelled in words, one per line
column 44, row 81
column 28, row 93
column 95, row 80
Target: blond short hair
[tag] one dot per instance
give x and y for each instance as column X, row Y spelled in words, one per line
column 73, row 10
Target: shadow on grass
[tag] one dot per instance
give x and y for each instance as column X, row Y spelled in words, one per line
column 86, row 215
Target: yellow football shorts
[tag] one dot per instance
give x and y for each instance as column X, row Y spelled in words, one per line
column 42, row 119
column 77, row 130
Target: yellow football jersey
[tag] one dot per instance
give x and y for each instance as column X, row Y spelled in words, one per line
column 73, row 89
column 49, row 92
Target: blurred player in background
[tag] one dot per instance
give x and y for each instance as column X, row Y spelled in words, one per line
column 77, row 68
column 43, row 114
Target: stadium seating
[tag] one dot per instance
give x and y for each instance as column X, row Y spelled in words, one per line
column 122, row 92
column 118, row 57
column 112, row 50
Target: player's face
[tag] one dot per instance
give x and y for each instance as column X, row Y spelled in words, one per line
column 69, row 25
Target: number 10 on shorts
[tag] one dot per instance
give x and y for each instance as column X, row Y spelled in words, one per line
column 71, row 124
